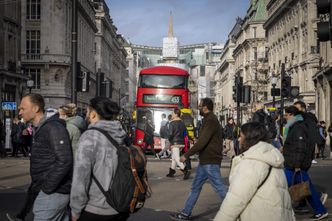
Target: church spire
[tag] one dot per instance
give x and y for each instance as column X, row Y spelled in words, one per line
column 170, row 30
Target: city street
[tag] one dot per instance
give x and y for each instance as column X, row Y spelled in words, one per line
column 168, row 194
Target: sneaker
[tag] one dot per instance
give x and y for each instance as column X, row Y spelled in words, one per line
column 323, row 198
column 12, row 218
column 314, row 161
column 319, row 216
column 179, row 217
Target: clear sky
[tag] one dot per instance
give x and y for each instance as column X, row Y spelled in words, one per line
column 194, row 21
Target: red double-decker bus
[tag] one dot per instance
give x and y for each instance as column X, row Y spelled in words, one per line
column 160, row 90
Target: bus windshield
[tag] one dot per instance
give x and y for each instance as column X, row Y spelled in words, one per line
column 153, row 114
column 163, row 81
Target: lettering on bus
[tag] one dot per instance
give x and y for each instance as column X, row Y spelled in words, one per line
column 161, row 99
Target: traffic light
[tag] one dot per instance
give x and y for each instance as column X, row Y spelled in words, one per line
column 324, row 29
column 286, row 86
column 237, row 89
column 246, row 94
column 234, row 93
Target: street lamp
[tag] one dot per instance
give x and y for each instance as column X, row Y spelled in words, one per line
column 274, row 81
column 30, row 84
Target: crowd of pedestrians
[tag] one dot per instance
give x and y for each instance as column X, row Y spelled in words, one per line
column 71, row 161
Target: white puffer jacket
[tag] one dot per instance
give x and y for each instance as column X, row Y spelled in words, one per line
column 271, row 201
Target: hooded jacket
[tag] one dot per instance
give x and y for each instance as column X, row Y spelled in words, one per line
column 74, row 126
column 244, row 201
column 95, row 154
column 51, row 162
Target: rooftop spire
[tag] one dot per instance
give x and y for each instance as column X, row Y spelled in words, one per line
column 170, row 30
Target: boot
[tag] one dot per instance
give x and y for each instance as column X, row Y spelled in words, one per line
column 186, row 173
column 171, row 173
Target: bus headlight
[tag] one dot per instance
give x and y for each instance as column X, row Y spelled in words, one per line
column 140, row 141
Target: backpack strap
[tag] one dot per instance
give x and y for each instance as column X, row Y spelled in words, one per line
column 107, row 135
column 104, row 132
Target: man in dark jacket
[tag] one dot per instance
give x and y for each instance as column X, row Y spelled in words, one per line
column 311, row 122
column 262, row 116
column 209, row 147
column 298, row 154
column 51, row 162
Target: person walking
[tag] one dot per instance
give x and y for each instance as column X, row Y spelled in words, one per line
column 51, row 161
column 298, row 152
column 3, row 152
column 263, row 116
column 258, row 186
column 329, row 131
column 96, row 156
column 149, row 133
column 164, row 124
column 74, row 123
column 17, row 137
column 176, row 134
column 323, row 134
column 311, row 122
column 209, row 147
column 230, row 136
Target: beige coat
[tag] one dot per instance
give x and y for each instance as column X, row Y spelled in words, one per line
column 243, row 201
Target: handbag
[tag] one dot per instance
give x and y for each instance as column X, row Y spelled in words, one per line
column 300, row 190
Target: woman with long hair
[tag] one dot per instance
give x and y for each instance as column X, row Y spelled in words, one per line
column 258, row 187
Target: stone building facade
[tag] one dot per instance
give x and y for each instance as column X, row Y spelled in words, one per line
column 110, row 54
column 250, row 55
column 46, row 48
column 291, row 35
column 224, row 77
column 12, row 78
column 323, row 84
column 244, row 55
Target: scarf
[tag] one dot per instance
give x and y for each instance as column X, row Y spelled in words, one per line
column 290, row 123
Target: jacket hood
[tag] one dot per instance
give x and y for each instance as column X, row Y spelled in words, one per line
column 114, row 128
column 78, row 121
column 265, row 152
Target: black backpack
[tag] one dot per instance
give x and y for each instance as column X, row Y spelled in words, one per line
column 129, row 187
column 270, row 125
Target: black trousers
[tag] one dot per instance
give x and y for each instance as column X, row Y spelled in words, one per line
column 86, row 216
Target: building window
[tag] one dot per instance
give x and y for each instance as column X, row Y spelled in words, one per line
column 33, row 9
column 255, row 53
column 254, row 30
column 33, row 44
column 202, row 71
column 34, row 73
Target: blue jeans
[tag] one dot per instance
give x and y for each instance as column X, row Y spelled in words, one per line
column 314, row 199
column 51, row 207
column 203, row 173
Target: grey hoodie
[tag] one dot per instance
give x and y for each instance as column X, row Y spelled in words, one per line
column 95, row 153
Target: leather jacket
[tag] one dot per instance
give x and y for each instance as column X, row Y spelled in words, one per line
column 176, row 132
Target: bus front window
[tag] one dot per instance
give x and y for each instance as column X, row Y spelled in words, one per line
column 163, row 81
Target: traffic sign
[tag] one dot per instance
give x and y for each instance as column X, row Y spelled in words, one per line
column 8, row 106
